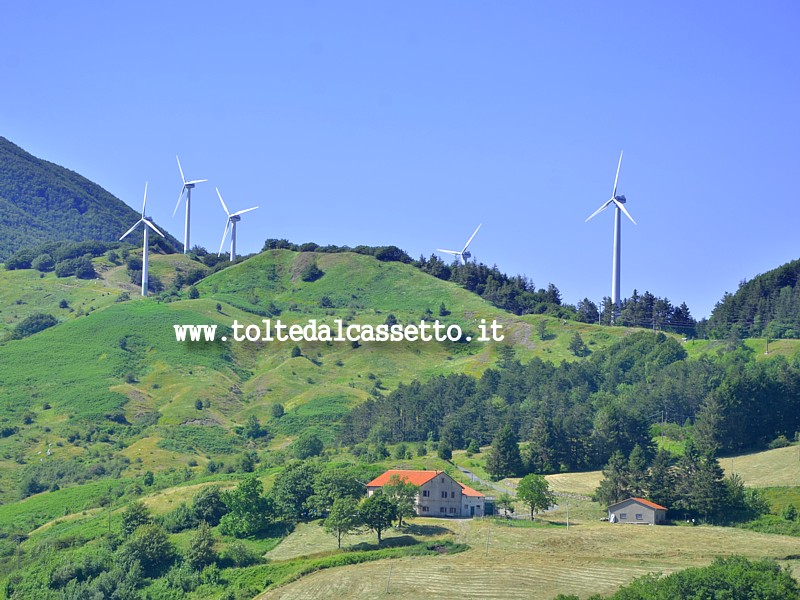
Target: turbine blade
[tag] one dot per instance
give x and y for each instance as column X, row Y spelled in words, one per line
column 470, row 239
column 153, row 227
column 621, row 206
column 599, row 210
column 180, row 197
column 227, row 212
column 453, row 252
column 241, row 212
column 463, row 260
column 616, row 179
column 183, row 179
column 130, row 230
column 224, row 235
column 144, row 202
column 197, row 181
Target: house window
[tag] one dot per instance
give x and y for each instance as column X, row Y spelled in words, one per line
column 425, row 509
column 638, row 516
column 453, row 510
column 444, row 494
column 426, row 493
column 623, row 516
column 442, row 479
column 443, row 509
column 452, row 494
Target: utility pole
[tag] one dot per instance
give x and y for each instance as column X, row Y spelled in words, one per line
column 487, row 540
column 389, row 579
column 567, row 514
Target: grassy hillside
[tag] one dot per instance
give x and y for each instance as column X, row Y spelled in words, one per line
column 44, row 202
column 111, row 377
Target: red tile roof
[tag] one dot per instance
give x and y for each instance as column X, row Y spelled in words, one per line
column 468, row 491
column 650, row 504
column 414, row 477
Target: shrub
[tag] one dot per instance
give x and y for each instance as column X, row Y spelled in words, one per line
column 33, row 324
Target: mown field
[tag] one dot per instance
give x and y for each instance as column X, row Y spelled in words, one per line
column 533, row 562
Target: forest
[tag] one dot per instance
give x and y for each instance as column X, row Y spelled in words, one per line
column 766, row 306
column 574, row 416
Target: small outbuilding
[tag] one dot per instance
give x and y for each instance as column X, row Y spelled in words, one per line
column 637, row 511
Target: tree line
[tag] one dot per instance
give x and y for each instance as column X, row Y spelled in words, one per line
column 766, row 306
column 574, row 416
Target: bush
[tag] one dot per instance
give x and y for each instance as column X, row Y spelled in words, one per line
column 43, row 263
column 33, row 324
column 237, row 554
column 150, row 545
column 779, row 442
column 311, row 273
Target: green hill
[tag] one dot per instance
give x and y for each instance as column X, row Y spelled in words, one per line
column 44, row 202
column 766, row 306
column 111, row 376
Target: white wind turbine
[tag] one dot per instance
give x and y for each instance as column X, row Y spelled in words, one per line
column 463, row 254
column 148, row 223
column 188, row 186
column 233, row 219
column 619, row 205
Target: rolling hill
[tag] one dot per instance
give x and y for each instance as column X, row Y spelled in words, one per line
column 113, row 369
column 44, row 202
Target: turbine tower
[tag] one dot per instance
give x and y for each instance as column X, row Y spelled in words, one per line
column 188, row 186
column 233, row 219
column 619, row 205
column 463, row 254
column 148, row 222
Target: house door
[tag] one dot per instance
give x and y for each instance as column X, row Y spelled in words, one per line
column 471, row 511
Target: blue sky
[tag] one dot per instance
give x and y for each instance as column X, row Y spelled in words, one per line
column 410, row 123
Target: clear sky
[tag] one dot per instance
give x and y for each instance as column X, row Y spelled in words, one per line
column 409, row 123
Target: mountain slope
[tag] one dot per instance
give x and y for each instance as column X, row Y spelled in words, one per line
column 43, row 202
column 114, row 377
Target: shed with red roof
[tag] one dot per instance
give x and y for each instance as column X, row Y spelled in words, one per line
column 637, row 511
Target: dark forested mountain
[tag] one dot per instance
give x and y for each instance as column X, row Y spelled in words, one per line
column 768, row 305
column 42, row 202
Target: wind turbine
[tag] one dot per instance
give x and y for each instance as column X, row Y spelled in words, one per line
column 148, row 222
column 463, row 254
column 619, row 205
column 188, row 186
column 233, row 219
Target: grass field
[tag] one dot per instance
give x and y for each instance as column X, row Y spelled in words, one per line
column 538, row 562
column 771, row 468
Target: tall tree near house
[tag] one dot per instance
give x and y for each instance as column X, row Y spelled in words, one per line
column 709, row 487
column 504, row 458
column 404, row 496
column 534, row 491
column 661, row 480
column 614, row 485
column 343, row 518
column 377, row 512
column 637, row 472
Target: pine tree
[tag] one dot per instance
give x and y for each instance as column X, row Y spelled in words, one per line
column 637, row 472
column 200, row 552
column 660, row 480
column 614, row 485
column 504, row 459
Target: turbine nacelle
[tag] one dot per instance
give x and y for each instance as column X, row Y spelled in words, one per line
column 230, row 225
column 462, row 254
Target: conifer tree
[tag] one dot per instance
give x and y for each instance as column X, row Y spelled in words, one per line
column 504, row 459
